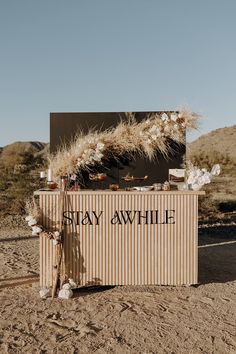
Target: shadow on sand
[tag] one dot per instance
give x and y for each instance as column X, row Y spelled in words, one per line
column 91, row 289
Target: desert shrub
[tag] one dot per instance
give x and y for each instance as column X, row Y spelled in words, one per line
column 16, row 185
column 208, row 208
column 209, row 158
column 12, row 155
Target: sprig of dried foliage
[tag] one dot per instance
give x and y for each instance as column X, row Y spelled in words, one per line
column 32, row 208
column 145, row 138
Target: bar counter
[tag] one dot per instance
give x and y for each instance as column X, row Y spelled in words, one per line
column 122, row 237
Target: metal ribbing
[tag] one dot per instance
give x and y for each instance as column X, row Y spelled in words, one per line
column 126, row 253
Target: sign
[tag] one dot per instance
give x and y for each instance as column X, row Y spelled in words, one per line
column 120, row 217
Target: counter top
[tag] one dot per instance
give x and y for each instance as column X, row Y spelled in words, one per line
column 119, row 192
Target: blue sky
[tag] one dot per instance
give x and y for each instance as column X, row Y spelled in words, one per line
column 114, row 55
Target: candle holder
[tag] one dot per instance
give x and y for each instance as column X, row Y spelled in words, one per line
column 52, row 185
column 98, row 178
column 43, row 180
column 114, row 187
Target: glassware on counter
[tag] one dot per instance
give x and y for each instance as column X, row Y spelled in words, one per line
column 157, row 186
column 52, row 185
column 98, row 177
column 114, row 187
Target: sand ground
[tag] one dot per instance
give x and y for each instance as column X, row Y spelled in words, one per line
column 128, row 319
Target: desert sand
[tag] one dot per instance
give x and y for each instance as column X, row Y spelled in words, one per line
column 121, row 319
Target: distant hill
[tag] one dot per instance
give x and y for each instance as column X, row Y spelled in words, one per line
column 218, row 146
column 23, row 153
column 221, row 140
column 27, row 146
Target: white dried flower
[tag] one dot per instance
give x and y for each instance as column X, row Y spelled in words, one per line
column 65, row 292
column 215, row 171
column 36, row 229
column 73, row 177
column 55, row 242
column 44, row 293
column 28, row 218
column 200, row 181
column 199, row 173
column 196, row 187
column 164, row 117
column 100, row 146
column 98, row 157
column 173, row 117
column 72, row 283
column 56, row 233
column 191, row 180
column 198, row 177
column 66, row 286
column 32, row 222
column 155, row 131
column 207, row 178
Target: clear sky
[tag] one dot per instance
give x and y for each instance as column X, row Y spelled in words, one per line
column 114, row 55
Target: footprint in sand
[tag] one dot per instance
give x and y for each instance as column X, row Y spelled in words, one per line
column 225, row 299
column 207, row 300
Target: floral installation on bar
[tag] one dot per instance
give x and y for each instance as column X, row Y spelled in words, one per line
column 198, row 177
column 33, row 220
column 129, row 137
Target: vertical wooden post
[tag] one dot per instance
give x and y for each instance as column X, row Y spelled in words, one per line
column 60, row 245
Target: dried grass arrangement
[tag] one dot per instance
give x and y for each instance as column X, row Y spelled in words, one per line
column 145, row 138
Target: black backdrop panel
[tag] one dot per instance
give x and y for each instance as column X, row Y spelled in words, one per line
column 65, row 126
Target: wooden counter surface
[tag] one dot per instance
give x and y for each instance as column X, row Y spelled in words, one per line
column 119, row 192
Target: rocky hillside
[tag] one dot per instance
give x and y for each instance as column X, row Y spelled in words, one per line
column 220, row 141
column 23, row 153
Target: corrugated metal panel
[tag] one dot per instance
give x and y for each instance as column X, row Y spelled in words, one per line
column 133, row 253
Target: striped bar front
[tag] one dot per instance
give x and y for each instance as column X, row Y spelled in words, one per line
column 138, row 252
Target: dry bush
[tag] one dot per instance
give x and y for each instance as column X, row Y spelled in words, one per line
column 18, row 185
column 208, row 208
column 209, row 158
column 209, row 205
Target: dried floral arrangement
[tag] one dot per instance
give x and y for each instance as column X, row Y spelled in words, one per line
column 198, row 177
column 33, row 219
column 145, row 138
